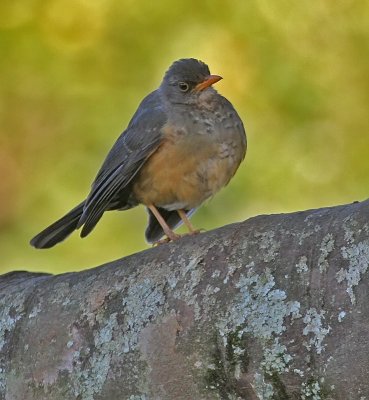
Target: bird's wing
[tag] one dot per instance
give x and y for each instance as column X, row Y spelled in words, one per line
column 141, row 138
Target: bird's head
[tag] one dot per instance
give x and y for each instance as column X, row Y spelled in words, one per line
column 186, row 80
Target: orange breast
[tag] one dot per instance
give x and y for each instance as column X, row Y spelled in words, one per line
column 186, row 170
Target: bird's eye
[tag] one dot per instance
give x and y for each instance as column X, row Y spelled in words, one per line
column 183, row 86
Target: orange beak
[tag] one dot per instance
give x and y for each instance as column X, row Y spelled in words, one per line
column 208, row 81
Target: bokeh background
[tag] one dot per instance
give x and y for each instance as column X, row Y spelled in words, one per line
column 72, row 73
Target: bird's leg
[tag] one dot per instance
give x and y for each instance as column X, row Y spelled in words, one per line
column 171, row 235
column 187, row 222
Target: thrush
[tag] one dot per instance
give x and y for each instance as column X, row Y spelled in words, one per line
column 183, row 144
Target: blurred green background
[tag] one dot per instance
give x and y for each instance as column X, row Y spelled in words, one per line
column 74, row 71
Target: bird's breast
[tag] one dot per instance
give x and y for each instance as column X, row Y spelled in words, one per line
column 198, row 155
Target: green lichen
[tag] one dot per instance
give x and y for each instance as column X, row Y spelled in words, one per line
column 358, row 258
column 268, row 245
column 276, row 359
column 216, row 377
column 226, row 366
column 315, row 330
column 302, row 266
column 349, row 227
column 279, row 388
column 341, row 316
column 236, row 353
column 275, row 362
column 12, row 310
column 314, row 389
column 326, row 247
column 298, row 372
column 88, row 379
column 311, row 391
column 305, row 233
column 143, row 302
column 260, row 310
column 191, row 273
column 263, row 389
column 61, row 288
column 35, row 311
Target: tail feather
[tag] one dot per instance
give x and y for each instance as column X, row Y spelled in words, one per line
column 154, row 231
column 59, row 230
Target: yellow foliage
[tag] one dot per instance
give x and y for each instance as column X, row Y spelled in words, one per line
column 74, row 71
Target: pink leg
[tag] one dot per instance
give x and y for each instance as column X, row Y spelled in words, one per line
column 171, row 235
column 187, row 222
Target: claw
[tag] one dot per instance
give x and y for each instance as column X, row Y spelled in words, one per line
column 167, row 239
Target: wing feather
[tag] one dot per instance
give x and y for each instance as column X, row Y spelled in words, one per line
column 129, row 153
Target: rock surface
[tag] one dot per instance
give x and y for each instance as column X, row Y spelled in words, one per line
column 275, row 308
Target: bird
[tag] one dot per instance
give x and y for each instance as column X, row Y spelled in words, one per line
column 182, row 145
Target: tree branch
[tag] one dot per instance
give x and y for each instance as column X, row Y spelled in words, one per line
column 275, row 307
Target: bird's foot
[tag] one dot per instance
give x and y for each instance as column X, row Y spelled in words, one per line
column 161, row 241
column 194, row 232
column 173, row 237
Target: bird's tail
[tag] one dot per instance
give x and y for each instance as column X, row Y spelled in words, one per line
column 59, row 230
